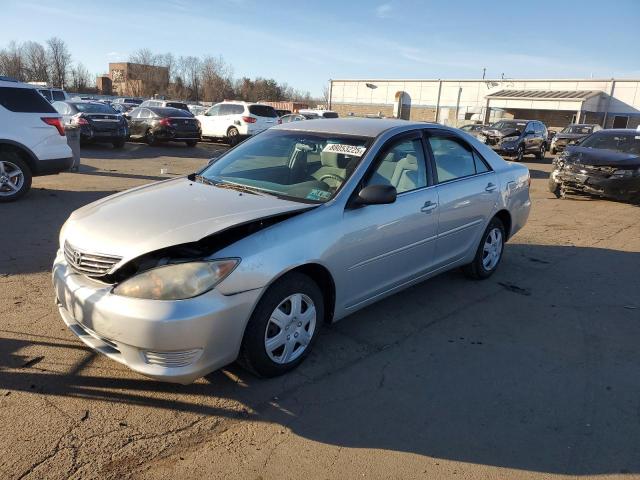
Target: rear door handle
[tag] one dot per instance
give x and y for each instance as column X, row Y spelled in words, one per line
column 429, row 206
column 490, row 187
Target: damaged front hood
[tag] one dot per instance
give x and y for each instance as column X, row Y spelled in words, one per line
column 569, row 136
column 505, row 132
column 164, row 214
column 599, row 157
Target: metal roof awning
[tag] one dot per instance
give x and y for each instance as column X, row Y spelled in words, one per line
column 569, row 95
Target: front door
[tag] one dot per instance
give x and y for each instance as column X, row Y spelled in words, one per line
column 467, row 192
column 389, row 245
column 208, row 121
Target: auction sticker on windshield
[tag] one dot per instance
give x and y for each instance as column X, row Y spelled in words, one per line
column 351, row 150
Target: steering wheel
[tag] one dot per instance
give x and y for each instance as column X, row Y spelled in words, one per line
column 332, row 176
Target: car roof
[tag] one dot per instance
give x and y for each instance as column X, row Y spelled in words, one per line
column 12, row 82
column 613, row 131
column 364, row 127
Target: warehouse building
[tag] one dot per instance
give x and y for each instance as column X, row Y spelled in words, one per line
column 138, row 80
column 610, row 102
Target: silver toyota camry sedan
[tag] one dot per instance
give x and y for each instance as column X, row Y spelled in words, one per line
column 303, row 224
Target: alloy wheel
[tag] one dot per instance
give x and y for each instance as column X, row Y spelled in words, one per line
column 11, row 178
column 290, row 328
column 520, row 153
column 492, row 250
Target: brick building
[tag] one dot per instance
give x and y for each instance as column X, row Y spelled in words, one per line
column 610, row 102
column 103, row 85
column 138, row 80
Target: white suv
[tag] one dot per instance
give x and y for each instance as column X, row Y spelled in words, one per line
column 233, row 121
column 32, row 139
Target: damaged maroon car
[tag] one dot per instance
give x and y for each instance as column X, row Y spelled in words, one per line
column 604, row 164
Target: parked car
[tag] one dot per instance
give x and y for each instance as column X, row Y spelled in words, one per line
column 166, row 103
column 516, row 138
column 163, row 124
column 303, row 224
column 128, row 101
column 282, row 113
column 235, row 121
column 97, row 121
column 53, row 94
column 571, row 134
column 294, row 117
column 197, row 109
column 310, row 113
column 474, row 129
column 122, row 107
column 605, row 164
column 32, row 139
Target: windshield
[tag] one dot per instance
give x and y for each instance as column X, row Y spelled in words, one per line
column 625, row 143
column 94, row 108
column 300, row 166
column 503, row 125
column 578, row 129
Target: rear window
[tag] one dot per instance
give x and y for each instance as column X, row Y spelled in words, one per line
column 57, row 94
column 329, row 115
column 46, row 94
column 135, row 101
column 94, row 108
column 262, row 111
column 181, row 106
column 24, row 100
column 172, row 112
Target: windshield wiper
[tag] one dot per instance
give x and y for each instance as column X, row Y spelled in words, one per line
column 238, row 187
column 194, row 177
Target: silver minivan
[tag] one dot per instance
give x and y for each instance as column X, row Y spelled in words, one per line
column 299, row 226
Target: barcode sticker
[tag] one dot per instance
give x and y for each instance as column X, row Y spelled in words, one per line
column 351, row 150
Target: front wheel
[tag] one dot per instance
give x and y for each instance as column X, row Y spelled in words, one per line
column 553, row 151
column 15, row 177
column 150, row 138
column 520, row 153
column 489, row 252
column 541, row 153
column 283, row 326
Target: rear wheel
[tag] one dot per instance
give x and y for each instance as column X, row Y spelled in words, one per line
column 283, row 326
column 150, row 138
column 541, row 153
column 489, row 252
column 233, row 136
column 15, row 177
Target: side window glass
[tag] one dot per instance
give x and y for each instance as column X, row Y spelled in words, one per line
column 214, row 111
column 481, row 165
column 401, row 165
column 452, row 157
column 237, row 109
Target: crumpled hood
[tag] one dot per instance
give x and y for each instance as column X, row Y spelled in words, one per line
column 601, row 157
column 163, row 214
column 570, row 136
column 505, row 132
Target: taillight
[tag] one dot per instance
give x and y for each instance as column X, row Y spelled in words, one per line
column 54, row 122
column 248, row 120
column 79, row 120
column 165, row 122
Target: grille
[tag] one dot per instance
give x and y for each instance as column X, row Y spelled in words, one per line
column 172, row 359
column 90, row 264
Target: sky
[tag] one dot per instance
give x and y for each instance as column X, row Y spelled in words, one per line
column 306, row 43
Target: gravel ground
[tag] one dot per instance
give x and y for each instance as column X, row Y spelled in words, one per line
column 530, row 374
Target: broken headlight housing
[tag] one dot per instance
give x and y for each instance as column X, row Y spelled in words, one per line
column 177, row 281
column 510, row 139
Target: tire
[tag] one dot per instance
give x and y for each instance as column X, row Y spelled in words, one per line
column 479, row 268
column 541, row 153
column 553, row 151
column 150, row 138
column 233, row 137
column 119, row 143
column 554, row 187
column 520, row 153
column 15, row 177
column 283, row 329
column 191, row 143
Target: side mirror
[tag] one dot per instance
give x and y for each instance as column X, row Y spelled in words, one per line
column 377, row 195
column 552, row 133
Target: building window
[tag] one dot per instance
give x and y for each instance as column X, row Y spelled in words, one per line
column 620, row 121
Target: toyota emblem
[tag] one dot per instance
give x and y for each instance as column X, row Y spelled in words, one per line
column 77, row 258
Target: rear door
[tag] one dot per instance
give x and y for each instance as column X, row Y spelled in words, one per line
column 467, row 192
column 387, row 246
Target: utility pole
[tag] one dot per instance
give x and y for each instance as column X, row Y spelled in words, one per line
column 484, row 72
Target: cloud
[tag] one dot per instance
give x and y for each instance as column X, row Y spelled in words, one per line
column 384, row 10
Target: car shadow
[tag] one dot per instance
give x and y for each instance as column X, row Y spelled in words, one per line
column 532, row 370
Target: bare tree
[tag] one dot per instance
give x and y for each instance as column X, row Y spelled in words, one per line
column 12, row 61
column 59, row 61
column 144, row 56
column 80, row 78
column 35, row 62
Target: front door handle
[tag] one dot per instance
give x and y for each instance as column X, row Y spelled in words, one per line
column 490, row 187
column 429, row 206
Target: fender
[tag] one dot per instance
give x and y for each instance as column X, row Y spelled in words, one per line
column 31, row 158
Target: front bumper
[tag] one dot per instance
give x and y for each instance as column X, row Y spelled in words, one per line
column 174, row 341
column 505, row 150
column 618, row 188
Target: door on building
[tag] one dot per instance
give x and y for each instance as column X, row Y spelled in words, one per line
column 402, row 106
column 620, row 121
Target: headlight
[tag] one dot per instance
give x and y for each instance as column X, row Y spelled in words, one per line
column 177, row 281
column 510, row 139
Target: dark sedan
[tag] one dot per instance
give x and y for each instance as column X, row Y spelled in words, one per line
column 571, row 134
column 163, row 124
column 98, row 122
column 605, row 164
